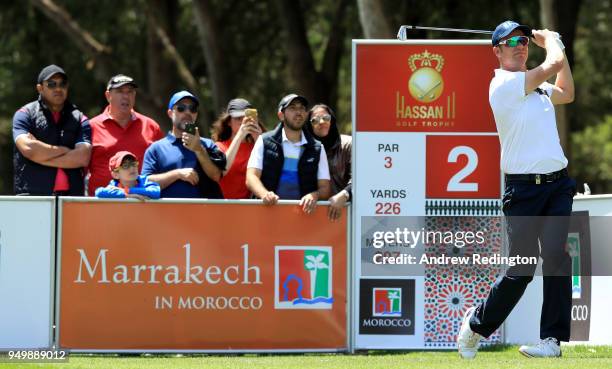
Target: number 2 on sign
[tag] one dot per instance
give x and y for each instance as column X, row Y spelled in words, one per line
column 388, row 208
column 388, row 162
column 455, row 184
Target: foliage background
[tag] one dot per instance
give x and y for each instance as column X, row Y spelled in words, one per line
column 263, row 49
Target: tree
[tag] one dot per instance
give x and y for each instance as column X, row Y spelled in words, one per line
column 373, row 19
column 213, row 50
column 592, row 148
column 562, row 16
column 220, row 49
column 103, row 57
column 315, row 85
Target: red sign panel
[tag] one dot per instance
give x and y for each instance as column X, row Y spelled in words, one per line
column 464, row 167
column 161, row 276
column 424, row 88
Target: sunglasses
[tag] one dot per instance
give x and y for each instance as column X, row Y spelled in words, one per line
column 182, row 107
column 128, row 164
column 317, row 120
column 515, row 41
column 55, row 84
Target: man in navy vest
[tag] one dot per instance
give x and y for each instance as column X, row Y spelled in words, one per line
column 288, row 163
column 52, row 140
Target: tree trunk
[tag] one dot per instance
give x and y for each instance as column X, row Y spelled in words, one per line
column 333, row 53
column 218, row 74
column 373, row 19
column 304, row 79
column 562, row 16
column 161, row 71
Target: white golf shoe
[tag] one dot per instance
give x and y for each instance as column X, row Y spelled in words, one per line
column 548, row 347
column 467, row 340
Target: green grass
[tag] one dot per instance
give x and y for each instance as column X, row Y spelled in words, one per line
column 574, row 357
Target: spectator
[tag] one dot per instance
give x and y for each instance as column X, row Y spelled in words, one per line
column 184, row 164
column 126, row 182
column 321, row 123
column 288, row 163
column 52, row 140
column 119, row 128
column 235, row 135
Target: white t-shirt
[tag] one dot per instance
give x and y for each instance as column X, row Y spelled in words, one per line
column 526, row 125
column 288, row 184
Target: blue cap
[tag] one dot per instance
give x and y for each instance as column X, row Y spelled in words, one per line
column 181, row 95
column 505, row 28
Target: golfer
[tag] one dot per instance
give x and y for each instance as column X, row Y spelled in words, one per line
column 537, row 186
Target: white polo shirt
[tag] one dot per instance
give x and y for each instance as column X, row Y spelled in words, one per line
column 289, row 187
column 526, row 125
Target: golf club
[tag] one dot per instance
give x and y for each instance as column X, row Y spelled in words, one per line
column 402, row 33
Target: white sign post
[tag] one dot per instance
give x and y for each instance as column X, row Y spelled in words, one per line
column 27, row 243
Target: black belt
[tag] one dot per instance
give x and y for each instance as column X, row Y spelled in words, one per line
column 537, row 178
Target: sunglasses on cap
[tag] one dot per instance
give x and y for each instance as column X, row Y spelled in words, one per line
column 317, row 120
column 54, row 84
column 515, row 41
column 182, row 107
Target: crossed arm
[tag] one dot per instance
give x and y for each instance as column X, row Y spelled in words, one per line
column 52, row 155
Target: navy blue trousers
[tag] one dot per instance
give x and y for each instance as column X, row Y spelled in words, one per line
column 534, row 212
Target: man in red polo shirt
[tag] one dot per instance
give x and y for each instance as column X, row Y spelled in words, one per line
column 119, row 128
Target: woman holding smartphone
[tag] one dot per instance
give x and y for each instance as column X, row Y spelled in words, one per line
column 235, row 133
column 321, row 124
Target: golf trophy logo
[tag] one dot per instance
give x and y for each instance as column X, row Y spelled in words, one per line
column 426, row 83
column 386, row 302
column 303, row 277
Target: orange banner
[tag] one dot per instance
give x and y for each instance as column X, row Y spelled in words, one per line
column 169, row 276
column 424, row 88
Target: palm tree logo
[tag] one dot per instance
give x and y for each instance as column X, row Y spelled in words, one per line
column 314, row 264
column 394, row 295
column 303, row 277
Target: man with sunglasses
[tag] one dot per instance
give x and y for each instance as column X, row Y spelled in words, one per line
column 538, row 197
column 184, row 164
column 119, row 128
column 52, row 140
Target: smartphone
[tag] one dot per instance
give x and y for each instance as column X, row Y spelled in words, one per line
column 251, row 113
column 190, row 128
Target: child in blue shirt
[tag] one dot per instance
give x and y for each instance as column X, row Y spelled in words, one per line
column 126, row 182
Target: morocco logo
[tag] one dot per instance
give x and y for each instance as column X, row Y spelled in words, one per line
column 387, row 302
column 303, row 277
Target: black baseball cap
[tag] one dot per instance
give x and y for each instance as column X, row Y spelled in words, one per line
column 505, row 28
column 120, row 80
column 287, row 100
column 236, row 107
column 49, row 71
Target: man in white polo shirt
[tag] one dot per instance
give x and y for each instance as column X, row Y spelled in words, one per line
column 288, row 163
column 538, row 196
